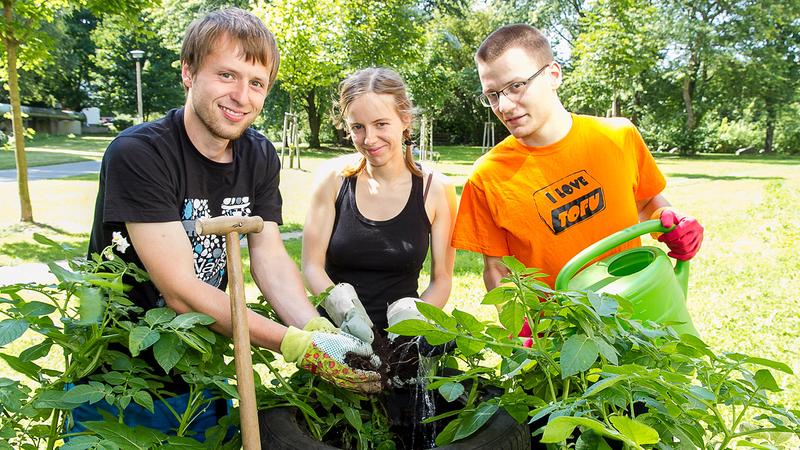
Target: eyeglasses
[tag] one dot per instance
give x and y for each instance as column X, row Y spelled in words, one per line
column 513, row 91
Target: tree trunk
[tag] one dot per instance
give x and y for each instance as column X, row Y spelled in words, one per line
column 770, row 134
column 26, row 211
column 314, row 119
column 616, row 107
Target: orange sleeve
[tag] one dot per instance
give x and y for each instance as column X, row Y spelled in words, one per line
column 475, row 228
column 649, row 179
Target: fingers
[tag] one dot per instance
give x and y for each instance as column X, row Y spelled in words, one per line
column 668, row 218
column 355, row 324
column 364, row 381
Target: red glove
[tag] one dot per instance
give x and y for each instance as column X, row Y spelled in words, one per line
column 684, row 241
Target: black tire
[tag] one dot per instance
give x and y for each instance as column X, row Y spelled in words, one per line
column 280, row 430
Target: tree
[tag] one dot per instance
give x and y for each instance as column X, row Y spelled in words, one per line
column 619, row 42
column 310, row 35
column 27, row 45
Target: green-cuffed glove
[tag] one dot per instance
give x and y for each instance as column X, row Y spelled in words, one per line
column 347, row 312
column 322, row 353
column 403, row 309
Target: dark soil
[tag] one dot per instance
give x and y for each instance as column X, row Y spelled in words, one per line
column 400, row 358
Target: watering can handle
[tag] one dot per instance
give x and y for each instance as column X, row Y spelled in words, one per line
column 598, row 248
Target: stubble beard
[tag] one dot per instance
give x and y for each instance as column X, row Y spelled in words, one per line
column 212, row 123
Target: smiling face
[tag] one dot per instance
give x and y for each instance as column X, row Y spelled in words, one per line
column 376, row 128
column 528, row 116
column 225, row 94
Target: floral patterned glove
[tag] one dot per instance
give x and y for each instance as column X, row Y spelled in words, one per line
column 322, row 353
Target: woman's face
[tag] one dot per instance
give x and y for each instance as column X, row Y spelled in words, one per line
column 376, row 128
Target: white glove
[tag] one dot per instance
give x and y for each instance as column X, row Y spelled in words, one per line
column 403, row 309
column 347, row 312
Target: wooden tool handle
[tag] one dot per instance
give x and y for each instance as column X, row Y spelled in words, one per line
column 221, row 225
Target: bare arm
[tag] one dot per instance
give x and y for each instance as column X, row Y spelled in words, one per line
column 277, row 276
column 442, row 200
column 318, row 228
column 647, row 206
column 493, row 271
column 166, row 254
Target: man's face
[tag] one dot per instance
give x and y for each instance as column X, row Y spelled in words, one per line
column 227, row 92
column 526, row 113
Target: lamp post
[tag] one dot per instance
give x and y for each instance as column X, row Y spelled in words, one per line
column 138, row 55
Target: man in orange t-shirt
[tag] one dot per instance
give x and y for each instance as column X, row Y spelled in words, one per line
column 561, row 181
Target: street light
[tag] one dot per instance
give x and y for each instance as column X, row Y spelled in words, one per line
column 138, row 55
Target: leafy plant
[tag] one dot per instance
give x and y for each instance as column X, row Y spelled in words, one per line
column 593, row 375
column 87, row 320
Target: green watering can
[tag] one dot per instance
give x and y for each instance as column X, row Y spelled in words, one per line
column 643, row 275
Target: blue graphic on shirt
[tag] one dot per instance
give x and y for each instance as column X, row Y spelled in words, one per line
column 209, row 251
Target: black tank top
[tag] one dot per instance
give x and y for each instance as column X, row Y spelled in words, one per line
column 380, row 258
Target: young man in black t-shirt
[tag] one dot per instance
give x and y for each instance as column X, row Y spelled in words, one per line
column 203, row 160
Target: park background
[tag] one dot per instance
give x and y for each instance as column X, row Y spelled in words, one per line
column 701, row 79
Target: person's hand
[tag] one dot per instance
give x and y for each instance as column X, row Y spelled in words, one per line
column 322, row 353
column 346, row 310
column 685, row 239
column 403, row 309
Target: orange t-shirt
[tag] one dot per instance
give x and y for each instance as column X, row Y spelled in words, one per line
column 543, row 205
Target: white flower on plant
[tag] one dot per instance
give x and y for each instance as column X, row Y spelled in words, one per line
column 120, row 242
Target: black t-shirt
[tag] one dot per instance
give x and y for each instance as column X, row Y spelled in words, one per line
column 153, row 173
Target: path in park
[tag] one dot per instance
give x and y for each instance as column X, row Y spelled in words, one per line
column 54, row 171
column 38, row 272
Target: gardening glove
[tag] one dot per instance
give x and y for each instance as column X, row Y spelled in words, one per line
column 323, row 353
column 685, row 239
column 403, row 309
column 321, row 324
column 406, row 309
column 346, row 310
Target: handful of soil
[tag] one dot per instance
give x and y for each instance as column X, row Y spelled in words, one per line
column 400, row 358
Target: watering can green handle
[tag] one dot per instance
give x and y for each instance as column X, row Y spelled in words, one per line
column 598, row 248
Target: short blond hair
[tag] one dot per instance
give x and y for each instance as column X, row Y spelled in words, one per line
column 518, row 35
column 256, row 41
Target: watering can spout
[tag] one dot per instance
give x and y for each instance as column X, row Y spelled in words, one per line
column 682, row 275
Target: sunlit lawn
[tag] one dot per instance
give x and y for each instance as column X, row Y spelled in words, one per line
column 44, row 150
column 743, row 284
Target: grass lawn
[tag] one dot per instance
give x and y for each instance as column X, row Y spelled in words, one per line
column 743, row 284
column 44, row 150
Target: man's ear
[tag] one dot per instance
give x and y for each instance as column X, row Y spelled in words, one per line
column 186, row 76
column 556, row 75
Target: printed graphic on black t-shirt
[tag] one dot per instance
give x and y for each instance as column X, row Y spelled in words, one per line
column 209, row 251
column 569, row 201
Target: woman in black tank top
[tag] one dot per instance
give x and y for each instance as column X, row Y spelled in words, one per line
column 374, row 216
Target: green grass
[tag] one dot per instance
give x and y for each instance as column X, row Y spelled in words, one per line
column 743, row 284
column 44, row 150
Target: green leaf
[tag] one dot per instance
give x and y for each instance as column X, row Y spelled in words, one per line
column 447, row 434
column 468, row 321
column 158, row 316
column 437, row 315
column 37, row 351
column 512, row 316
column 468, row 346
column 36, row 309
column 765, row 380
column 141, row 338
column 168, row 351
column 603, row 384
column 560, row 428
column 27, row 368
column 498, row 295
column 227, row 388
column 764, row 362
column 635, row 430
column 608, row 351
column 411, row 327
column 83, row 393
column 438, row 337
column 577, row 355
column 81, row 443
column 451, row 391
column 590, row 440
column 143, row 399
column 190, row 319
column 513, row 264
column 64, row 275
column 353, row 418
column 11, row 329
column 473, row 420
column 128, row 438
column 44, row 240
column 604, row 305
column 92, row 306
column 517, row 411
